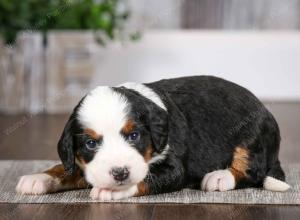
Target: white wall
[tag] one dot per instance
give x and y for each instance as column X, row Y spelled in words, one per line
column 268, row 63
column 154, row 14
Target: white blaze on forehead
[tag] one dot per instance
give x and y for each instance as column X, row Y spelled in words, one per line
column 103, row 110
column 146, row 92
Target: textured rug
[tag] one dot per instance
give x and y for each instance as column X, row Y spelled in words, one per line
column 10, row 171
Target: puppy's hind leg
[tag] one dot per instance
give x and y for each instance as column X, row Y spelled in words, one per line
column 227, row 179
column 219, row 180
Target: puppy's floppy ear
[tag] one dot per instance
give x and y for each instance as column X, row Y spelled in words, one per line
column 65, row 146
column 158, row 124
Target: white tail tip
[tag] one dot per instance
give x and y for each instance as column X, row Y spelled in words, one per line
column 270, row 183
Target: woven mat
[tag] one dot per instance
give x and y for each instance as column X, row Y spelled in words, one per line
column 11, row 170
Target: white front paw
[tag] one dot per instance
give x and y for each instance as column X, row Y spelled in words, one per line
column 106, row 194
column 100, row 194
column 220, row 180
column 35, row 184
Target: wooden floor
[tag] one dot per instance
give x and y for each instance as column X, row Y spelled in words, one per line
column 35, row 137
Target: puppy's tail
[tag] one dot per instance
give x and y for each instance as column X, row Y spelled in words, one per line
column 275, row 178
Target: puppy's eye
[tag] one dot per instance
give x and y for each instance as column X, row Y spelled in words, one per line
column 134, row 136
column 91, row 144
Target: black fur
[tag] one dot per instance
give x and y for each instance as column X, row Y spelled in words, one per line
column 206, row 119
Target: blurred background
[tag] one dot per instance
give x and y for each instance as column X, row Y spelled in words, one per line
column 53, row 51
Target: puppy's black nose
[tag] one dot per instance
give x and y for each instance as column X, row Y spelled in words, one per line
column 120, row 173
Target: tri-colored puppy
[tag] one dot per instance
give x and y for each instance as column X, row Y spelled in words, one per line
column 198, row 132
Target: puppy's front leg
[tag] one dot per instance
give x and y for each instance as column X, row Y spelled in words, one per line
column 162, row 178
column 106, row 194
column 52, row 180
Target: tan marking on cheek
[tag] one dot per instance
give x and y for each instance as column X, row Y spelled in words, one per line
column 148, row 153
column 128, row 127
column 143, row 189
column 80, row 161
column 93, row 134
column 240, row 163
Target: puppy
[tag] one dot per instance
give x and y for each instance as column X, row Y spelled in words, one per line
column 198, row 132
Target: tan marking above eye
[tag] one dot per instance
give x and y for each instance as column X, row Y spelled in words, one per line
column 128, row 127
column 93, row 134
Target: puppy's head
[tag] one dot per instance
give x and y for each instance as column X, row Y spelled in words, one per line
column 114, row 134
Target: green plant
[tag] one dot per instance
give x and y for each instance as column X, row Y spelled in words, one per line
column 44, row 15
